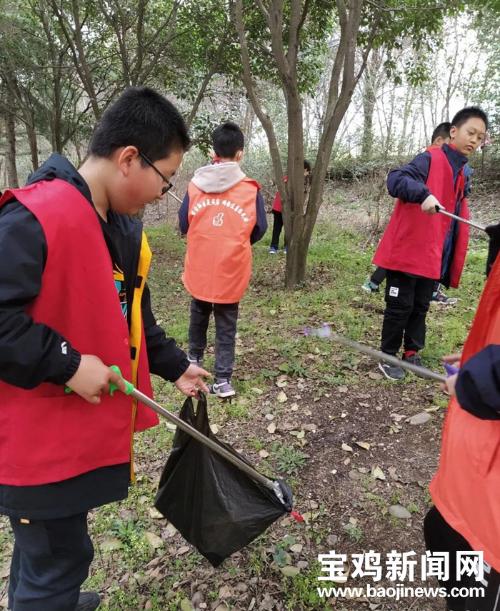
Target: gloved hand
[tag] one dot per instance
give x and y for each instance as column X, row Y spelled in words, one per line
column 493, row 232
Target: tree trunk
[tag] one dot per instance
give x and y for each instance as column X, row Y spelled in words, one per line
column 10, row 155
column 370, row 90
column 33, row 142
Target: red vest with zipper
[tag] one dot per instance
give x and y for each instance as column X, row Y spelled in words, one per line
column 46, row 435
column 413, row 241
column 218, row 263
column 466, row 488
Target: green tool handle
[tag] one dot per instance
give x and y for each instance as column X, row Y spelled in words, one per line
column 129, row 387
column 187, row 428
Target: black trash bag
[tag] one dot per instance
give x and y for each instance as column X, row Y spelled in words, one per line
column 214, row 505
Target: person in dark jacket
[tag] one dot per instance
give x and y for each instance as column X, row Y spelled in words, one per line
column 440, row 136
column 419, row 246
column 73, row 301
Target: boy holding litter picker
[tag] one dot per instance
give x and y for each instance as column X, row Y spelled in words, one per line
column 466, row 487
column 421, row 246
column 73, row 301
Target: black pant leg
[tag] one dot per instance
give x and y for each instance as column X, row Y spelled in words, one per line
column 277, row 227
column 226, row 318
column 441, row 537
column 198, row 325
column 54, row 561
column 14, row 574
column 399, row 295
column 378, row 276
column 415, row 329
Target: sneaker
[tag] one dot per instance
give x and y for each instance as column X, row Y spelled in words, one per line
column 442, row 299
column 222, row 388
column 194, row 360
column 413, row 357
column 370, row 287
column 273, row 251
column 391, row 372
column 88, row 601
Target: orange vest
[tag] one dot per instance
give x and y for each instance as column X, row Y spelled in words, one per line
column 466, row 488
column 218, row 262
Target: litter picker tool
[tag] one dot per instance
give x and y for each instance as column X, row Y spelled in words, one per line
column 175, row 196
column 441, row 210
column 326, row 332
column 130, row 390
column 213, row 496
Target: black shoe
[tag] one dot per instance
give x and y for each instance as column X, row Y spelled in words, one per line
column 414, row 359
column 391, row 372
column 88, row 601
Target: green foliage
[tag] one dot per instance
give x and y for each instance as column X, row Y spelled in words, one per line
column 288, row 459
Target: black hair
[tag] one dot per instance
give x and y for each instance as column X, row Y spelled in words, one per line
column 441, row 131
column 466, row 113
column 307, row 165
column 143, row 118
column 227, row 140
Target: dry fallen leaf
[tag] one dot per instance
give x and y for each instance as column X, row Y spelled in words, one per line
column 154, row 540
column 290, row 571
column 377, row 473
column 363, row 444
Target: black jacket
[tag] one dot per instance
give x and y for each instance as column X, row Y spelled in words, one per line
column 30, row 353
column 478, row 384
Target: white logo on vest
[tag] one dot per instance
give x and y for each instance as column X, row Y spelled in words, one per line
column 218, row 220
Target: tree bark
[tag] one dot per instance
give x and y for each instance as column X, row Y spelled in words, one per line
column 10, row 153
column 33, row 143
column 370, row 90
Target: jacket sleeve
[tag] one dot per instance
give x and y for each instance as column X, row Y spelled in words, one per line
column 30, row 353
column 183, row 215
column 260, row 227
column 166, row 359
column 493, row 232
column 478, row 384
column 408, row 182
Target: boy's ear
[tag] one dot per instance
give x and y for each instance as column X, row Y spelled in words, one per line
column 239, row 156
column 125, row 157
column 453, row 132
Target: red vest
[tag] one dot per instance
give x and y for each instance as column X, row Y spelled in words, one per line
column 413, row 241
column 466, row 488
column 46, row 435
column 218, row 262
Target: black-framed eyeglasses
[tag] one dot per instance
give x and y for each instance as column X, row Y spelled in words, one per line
column 168, row 184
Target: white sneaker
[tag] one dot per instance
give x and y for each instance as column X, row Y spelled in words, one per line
column 222, row 389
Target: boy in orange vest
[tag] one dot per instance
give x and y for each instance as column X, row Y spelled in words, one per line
column 222, row 214
column 73, row 301
column 466, row 487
